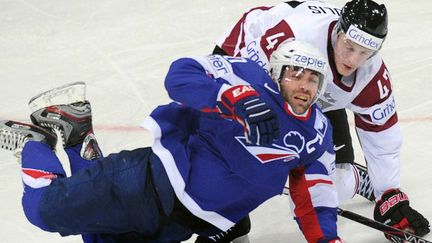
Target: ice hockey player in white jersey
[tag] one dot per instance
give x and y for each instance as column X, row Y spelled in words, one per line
column 233, row 138
column 358, row 80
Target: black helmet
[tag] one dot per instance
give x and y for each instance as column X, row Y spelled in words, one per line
column 366, row 15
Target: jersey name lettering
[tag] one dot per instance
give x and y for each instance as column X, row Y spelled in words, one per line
column 324, row 10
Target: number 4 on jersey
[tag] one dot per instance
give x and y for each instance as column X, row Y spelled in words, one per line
column 273, row 40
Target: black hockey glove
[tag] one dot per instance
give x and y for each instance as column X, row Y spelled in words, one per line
column 393, row 209
column 243, row 104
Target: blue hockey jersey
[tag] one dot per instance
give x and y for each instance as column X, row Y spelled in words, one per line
column 216, row 174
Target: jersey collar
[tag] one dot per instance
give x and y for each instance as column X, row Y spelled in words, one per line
column 303, row 117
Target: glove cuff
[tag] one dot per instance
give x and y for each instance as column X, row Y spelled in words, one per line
column 236, row 93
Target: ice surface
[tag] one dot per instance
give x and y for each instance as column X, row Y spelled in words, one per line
column 122, row 50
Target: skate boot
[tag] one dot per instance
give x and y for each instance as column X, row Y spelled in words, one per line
column 13, row 136
column 236, row 234
column 74, row 121
column 66, row 110
column 365, row 188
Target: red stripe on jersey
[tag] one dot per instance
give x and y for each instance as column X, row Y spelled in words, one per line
column 39, row 174
column 231, row 41
column 376, row 91
column 266, row 157
column 210, row 110
column 360, row 123
column 304, row 209
column 312, row 183
column 275, row 36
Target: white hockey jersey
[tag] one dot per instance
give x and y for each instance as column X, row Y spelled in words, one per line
column 368, row 92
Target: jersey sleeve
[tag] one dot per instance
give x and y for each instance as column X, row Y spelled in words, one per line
column 314, row 200
column 378, row 130
column 200, row 82
column 259, row 31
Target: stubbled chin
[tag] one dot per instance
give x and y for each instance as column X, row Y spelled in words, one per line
column 299, row 109
column 342, row 70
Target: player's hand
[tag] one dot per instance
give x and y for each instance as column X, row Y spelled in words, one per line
column 243, row 104
column 393, row 209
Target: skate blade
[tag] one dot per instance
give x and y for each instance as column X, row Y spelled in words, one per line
column 66, row 94
column 242, row 239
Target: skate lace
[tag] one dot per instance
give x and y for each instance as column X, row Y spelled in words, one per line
column 365, row 188
column 54, row 128
column 220, row 235
column 12, row 140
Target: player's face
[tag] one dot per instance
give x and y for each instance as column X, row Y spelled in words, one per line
column 349, row 55
column 299, row 87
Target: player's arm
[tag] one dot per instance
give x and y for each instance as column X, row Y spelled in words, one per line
column 198, row 82
column 265, row 24
column 380, row 136
column 378, row 130
column 314, row 197
column 211, row 84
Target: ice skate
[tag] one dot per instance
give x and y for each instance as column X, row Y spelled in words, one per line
column 236, row 234
column 365, row 188
column 66, row 94
column 13, row 136
column 66, row 110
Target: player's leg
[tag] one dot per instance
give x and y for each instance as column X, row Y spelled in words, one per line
column 65, row 109
column 350, row 175
column 111, row 197
column 14, row 135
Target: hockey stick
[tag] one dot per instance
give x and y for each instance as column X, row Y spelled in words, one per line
column 396, row 235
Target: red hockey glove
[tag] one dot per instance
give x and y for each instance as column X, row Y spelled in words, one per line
column 243, row 104
column 393, row 209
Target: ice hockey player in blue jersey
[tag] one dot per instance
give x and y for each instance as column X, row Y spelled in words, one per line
column 234, row 137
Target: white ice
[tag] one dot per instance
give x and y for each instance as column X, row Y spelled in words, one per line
column 122, row 50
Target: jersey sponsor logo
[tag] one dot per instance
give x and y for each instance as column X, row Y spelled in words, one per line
column 364, row 39
column 383, row 111
column 309, row 62
column 236, row 92
column 254, row 54
column 219, row 65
